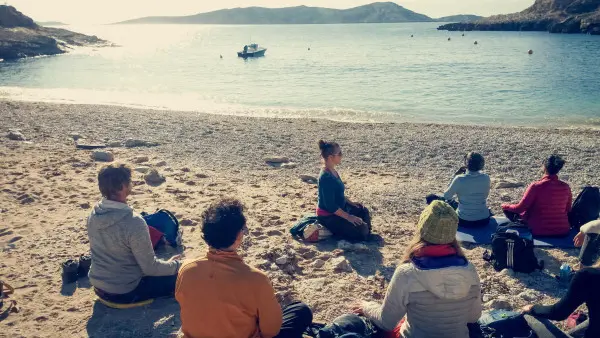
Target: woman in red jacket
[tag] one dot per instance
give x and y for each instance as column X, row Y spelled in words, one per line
column 546, row 203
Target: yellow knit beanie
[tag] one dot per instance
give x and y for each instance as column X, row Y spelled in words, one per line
column 438, row 223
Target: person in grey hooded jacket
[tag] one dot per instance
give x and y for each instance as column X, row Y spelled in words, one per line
column 124, row 267
column 435, row 292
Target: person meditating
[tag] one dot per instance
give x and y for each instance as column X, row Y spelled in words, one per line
column 124, row 267
column 435, row 291
column 472, row 187
column 220, row 296
column 546, row 203
column 583, row 289
column 345, row 219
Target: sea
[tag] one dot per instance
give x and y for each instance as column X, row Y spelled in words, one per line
column 407, row 72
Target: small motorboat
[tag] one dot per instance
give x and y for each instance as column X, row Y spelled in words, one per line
column 252, row 51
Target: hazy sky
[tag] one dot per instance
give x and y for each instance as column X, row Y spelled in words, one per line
column 105, row 11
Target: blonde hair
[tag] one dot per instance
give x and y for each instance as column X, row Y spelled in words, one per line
column 417, row 243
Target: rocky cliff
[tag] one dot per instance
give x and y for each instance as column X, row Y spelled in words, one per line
column 21, row 37
column 555, row 16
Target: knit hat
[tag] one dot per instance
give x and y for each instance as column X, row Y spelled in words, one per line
column 438, row 223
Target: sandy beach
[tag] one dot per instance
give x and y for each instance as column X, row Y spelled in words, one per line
column 47, row 189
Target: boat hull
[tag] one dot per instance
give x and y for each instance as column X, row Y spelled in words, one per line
column 255, row 54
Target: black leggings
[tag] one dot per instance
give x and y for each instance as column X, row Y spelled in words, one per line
column 344, row 229
column 150, row 287
column 296, row 318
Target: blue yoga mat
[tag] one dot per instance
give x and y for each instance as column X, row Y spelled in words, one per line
column 483, row 235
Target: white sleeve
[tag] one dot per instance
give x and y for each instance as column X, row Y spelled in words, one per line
column 387, row 315
column 592, row 227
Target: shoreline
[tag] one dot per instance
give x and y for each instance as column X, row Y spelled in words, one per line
column 301, row 113
column 390, row 167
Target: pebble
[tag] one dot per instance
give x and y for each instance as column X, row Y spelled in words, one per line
column 75, row 136
column 15, row 135
column 318, row 263
column 85, row 205
column 132, row 143
column 289, row 165
column 277, row 159
column 187, row 222
column 486, row 298
column 282, row 260
column 509, row 184
column 140, row 159
column 142, row 169
column 529, row 295
column 505, row 198
column 340, row 264
column 508, row 272
column 153, row 177
column 161, row 164
column 103, row 156
column 347, row 246
column 498, row 304
column 26, row 198
column 309, row 179
column 114, row 144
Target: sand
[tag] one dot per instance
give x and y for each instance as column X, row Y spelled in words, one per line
column 47, row 188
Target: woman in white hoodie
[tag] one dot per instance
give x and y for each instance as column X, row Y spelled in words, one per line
column 435, row 292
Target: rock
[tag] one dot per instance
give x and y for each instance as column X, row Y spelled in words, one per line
column 505, row 198
column 282, row 260
column 486, row 298
column 114, row 144
column 344, row 245
column 161, row 164
column 103, row 156
column 140, row 159
column 498, row 304
column 309, row 179
column 142, row 169
column 26, row 198
column 529, row 295
column 133, row 143
column 154, row 178
column 318, row 263
column 75, row 136
column 347, row 246
column 276, row 159
column 340, row 264
column 509, row 184
column 15, row 135
column 85, row 205
column 289, row 165
column 274, row 267
column 185, row 169
column 508, row 272
column 187, row 222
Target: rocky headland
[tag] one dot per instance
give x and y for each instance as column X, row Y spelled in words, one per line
column 554, row 16
column 21, row 37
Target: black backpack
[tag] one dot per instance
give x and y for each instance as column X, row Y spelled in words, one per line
column 585, row 208
column 512, row 248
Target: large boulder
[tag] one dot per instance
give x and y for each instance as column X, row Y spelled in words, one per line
column 10, row 17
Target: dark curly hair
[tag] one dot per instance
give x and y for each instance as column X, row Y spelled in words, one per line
column 328, row 148
column 554, row 164
column 222, row 222
column 474, row 161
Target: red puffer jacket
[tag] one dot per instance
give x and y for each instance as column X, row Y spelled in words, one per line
column 544, row 207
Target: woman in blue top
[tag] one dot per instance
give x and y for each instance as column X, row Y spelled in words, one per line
column 344, row 218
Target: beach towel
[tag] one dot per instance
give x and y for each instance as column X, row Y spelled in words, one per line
column 483, row 235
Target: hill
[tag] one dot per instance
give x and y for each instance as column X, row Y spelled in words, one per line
column 380, row 12
column 21, row 37
column 555, row 16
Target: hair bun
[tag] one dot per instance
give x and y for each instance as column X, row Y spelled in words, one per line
column 322, row 144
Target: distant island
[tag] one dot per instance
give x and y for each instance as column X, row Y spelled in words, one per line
column 379, row 12
column 554, row 16
column 21, row 37
column 56, row 23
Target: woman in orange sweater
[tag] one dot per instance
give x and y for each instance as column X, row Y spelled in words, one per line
column 222, row 297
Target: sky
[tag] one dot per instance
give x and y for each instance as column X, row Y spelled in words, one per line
column 108, row 11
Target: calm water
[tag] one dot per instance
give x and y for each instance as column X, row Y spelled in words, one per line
column 351, row 72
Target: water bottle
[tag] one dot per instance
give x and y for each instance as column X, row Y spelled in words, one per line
column 565, row 273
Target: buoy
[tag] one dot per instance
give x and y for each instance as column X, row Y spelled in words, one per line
column 530, row 51
column 308, row 48
column 463, row 34
column 449, row 39
column 221, row 56
column 475, row 42
column 412, row 36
